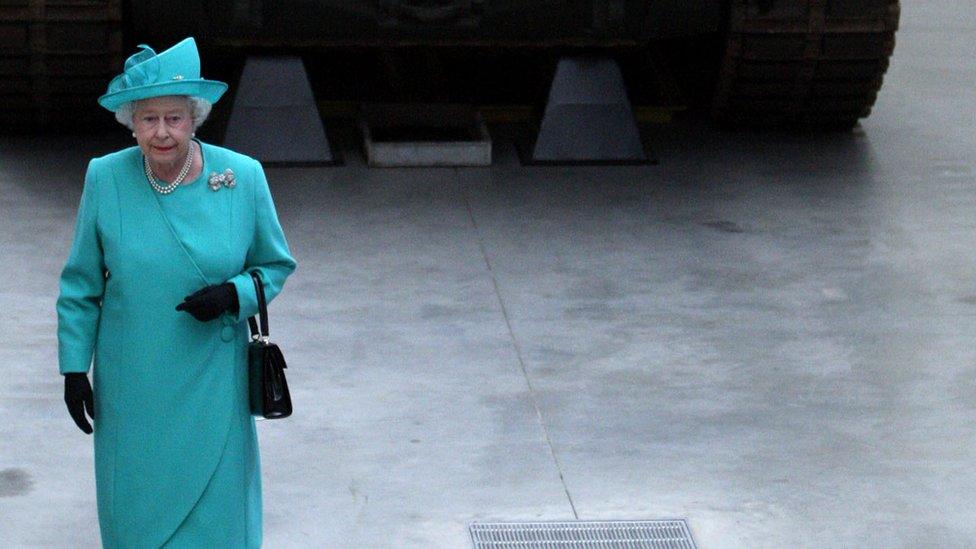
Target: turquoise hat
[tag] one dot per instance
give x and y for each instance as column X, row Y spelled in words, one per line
column 175, row 71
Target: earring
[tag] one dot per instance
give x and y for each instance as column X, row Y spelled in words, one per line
column 133, row 134
column 194, row 134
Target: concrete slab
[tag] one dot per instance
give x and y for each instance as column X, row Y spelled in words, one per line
column 767, row 335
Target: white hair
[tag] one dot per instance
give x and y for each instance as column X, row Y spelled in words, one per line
column 199, row 111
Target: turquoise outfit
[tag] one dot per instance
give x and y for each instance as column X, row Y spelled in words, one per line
column 176, row 452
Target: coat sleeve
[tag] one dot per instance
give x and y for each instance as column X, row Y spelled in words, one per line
column 268, row 253
column 82, row 285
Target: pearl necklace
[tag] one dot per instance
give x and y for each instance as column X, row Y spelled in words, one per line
column 166, row 189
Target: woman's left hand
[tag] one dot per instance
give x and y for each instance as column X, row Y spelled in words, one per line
column 210, row 302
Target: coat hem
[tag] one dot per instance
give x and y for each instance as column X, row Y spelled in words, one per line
column 196, row 502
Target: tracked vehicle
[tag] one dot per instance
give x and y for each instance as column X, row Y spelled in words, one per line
column 766, row 63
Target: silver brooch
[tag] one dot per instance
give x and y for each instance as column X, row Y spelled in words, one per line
column 226, row 179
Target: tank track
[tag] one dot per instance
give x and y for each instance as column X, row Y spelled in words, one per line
column 803, row 64
column 56, row 58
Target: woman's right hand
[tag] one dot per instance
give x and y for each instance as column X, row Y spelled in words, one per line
column 79, row 398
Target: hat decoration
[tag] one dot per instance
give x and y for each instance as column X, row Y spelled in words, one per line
column 175, row 71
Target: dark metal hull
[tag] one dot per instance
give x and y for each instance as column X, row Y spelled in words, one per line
column 773, row 63
column 384, row 23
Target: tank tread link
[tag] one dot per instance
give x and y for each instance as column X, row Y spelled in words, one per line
column 816, row 64
column 55, row 56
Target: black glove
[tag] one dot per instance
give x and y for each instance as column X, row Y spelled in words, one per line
column 78, row 396
column 210, row 302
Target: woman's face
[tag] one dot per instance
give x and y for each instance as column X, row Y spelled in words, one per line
column 163, row 128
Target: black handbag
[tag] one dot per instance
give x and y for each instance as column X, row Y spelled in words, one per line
column 269, row 396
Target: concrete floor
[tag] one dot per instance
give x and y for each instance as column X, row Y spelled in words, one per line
column 770, row 336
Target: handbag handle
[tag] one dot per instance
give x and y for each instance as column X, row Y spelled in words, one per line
column 262, row 310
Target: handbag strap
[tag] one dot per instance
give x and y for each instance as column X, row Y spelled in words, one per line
column 262, row 309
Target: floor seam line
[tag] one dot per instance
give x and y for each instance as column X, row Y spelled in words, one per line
column 518, row 350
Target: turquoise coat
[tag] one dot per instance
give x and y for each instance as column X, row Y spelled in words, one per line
column 176, row 454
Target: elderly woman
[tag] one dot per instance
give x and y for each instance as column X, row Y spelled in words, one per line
column 155, row 294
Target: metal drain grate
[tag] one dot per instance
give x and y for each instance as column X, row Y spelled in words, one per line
column 630, row 534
